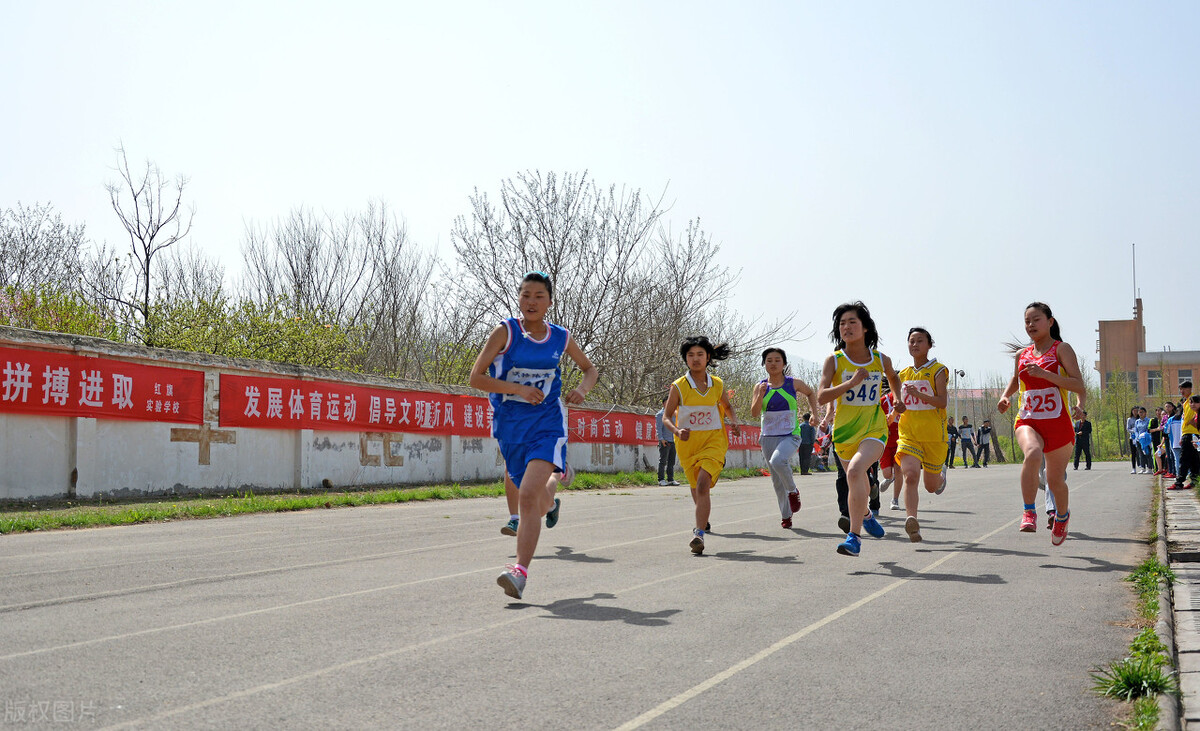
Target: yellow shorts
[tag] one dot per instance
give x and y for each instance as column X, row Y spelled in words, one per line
column 709, row 465
column 846, row 452
column 931, row 453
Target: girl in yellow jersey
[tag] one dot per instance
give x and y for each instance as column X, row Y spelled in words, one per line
column 853, row 377
column 922, row 441
column 696, row 412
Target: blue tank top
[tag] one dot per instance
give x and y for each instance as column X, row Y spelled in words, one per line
column 532, row 363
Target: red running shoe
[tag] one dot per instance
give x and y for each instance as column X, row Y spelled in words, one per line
column 1059, row 533
column 794, row 502
column 1029, row 521
column 786, row 523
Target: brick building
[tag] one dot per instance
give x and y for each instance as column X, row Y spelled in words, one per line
column 1121, row 345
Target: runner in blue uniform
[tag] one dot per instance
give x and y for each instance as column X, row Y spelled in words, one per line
column 519, row 367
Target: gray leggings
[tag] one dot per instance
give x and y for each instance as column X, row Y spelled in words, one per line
column 779, row 451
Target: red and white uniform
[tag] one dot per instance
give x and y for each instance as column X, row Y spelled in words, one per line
column 888, row 458
column 1043, row 405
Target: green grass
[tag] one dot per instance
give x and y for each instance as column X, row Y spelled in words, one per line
column 1134, row 677
column 1147, row 671
column 1146, row 580
column 42, row 516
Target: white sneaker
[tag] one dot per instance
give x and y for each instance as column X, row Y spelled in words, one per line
column 883, row 486
column 663, row 483
column 1133, row 471
column 942, row 487
column 673, row 482
column 895, row 504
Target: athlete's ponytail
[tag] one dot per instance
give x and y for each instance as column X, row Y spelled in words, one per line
column 715, row 352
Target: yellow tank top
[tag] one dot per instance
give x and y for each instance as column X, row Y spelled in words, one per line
column 858, row 412
column 700, row 411
column 921, row 422
column 1188, row 414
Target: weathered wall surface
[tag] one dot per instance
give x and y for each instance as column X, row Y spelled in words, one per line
column 49, row 455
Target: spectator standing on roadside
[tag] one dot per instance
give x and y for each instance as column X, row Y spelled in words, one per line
column 966, row 436
column 666, row 451
column 1083, row 441
column 808, row 437
column 984, row 437
column 952, row 435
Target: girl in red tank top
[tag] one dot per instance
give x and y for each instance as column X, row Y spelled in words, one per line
column 1044, row 372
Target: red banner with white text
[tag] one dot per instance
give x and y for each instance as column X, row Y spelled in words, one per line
column 284, row 403
column 66, row 384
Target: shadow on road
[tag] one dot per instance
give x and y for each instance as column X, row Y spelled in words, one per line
column 566, row 553
column 897, row 571
column 1099, row 565
column 583, row 609
column 750, row 534
column 1077, row 536
column 754, row 557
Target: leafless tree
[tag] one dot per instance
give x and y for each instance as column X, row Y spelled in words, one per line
column 38, row 251
column 625, row 286
column 152, row 213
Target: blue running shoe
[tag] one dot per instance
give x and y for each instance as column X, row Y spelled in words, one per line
column 552, row 516
column 873, row 527
column 850, row 546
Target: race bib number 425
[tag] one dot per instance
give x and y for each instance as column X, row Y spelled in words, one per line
column 1041, row 403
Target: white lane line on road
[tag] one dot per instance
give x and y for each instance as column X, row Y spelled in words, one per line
column 336, row 597
column 320, row 672
column 238, row 575
column 728, row 673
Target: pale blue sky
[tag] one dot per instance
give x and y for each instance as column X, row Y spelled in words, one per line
column 946, row 162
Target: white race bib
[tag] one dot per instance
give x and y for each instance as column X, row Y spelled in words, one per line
column 866, row 393
column 912, row 403
column 1041, row 403
column 540, row 378
column 699, row 418
column 778, row 423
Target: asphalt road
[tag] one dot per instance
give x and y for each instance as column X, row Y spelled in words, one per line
column 390, row 616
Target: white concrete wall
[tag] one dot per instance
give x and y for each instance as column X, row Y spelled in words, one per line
column 44, row 456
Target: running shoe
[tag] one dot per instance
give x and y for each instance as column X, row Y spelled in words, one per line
column 942, row 487
column 896, row 504
column 512, row 581
column 663, row 483
column 697, row 544
column 844, row 523
column 1029, row 521
column 1133, row 471
column 873, row 527
column 568, row 476
column 510, row 528
column 1059, row 533
column 851, row 546
column 887, row 483
column 912, row 527
column 786, row 523
column 1049, row 520
column 673, row 483
column 552, row 516
column 794, row 501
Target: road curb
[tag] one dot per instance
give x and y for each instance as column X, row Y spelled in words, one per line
column 1169, row 711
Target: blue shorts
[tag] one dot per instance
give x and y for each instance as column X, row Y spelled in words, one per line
column 548, row 446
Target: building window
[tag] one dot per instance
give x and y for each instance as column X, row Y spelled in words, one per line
column 1153, row 383
column 1185, row 374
